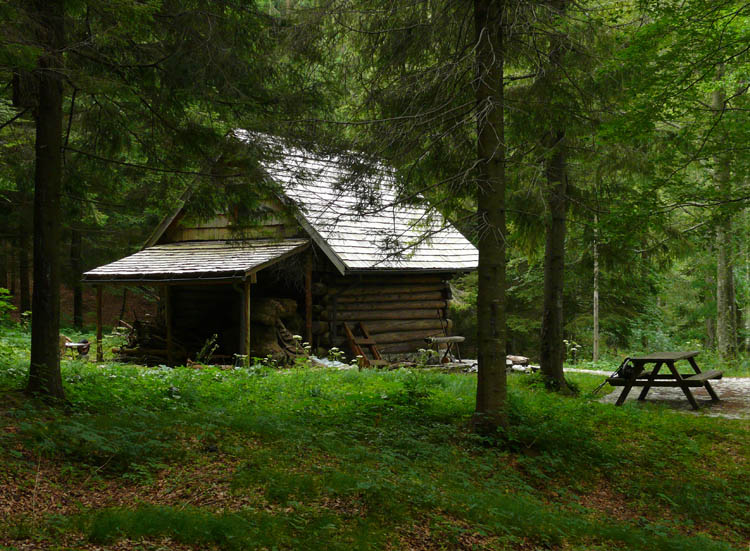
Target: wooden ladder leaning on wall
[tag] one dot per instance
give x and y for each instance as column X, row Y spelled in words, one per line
column 361, row 345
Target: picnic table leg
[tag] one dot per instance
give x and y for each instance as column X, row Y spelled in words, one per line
column 683, row 386
column 626, row 389
column 651, row 380
column 706, row 384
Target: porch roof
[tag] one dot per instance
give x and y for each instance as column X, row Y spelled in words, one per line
column 193, row 261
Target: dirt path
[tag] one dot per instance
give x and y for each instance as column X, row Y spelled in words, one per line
column 734, row 393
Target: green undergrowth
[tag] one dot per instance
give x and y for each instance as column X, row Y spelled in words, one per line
column 326, row 459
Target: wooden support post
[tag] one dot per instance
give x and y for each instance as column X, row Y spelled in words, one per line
column 168, row 314
column 99, row 349
column 246, row 320
column 308, row 296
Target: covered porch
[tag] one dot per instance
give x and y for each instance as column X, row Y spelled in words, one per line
column 205, row 287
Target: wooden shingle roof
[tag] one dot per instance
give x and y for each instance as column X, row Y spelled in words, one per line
column 362, row 235
column 196, row 261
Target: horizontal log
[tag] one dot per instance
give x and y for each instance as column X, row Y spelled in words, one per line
column 385, row 326
column 386, row 297
column 367, row 315
column 402, row 347
column 377, row 305
column 389, row 279
column 357, row 290
column 406, row 336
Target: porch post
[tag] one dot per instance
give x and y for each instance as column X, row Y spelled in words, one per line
column 246, row 319
column 168, row 322
column 99, row 349
column 308, row 296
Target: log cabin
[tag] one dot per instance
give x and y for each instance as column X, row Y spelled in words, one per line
column 323, row 256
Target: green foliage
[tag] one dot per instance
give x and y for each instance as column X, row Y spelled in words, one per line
column 232, row 531
column 390, row 448
column 6, row 306
column 136, row 444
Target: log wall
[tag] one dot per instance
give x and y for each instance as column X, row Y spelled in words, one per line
column 399, row 311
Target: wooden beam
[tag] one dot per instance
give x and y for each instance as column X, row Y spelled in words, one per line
column 245, row 349
column 308, row 296
column 168, row 314
column 99, row 347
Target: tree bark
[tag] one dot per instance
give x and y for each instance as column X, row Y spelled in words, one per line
column 77, row 270
column 552, row 349
column 3, row 265
column 725, row 336
column 746, row 305
column 12, row 269
column 490, row 411
column 44, row 372
column 23, row 270
column 595, row 353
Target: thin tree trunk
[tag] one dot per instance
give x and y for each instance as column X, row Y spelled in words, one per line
column 733, row 314
column 12, row 265
column 726, row 343
column 552, row 349
column 23, row 270
column 44, row 371
column 710, row 333
column 746, row 305
column 75, row 265
column 595, row 355
column 3, row 265
column 123, row 305
column 491, row 333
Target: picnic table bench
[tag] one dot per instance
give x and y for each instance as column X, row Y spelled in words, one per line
column 638, row 376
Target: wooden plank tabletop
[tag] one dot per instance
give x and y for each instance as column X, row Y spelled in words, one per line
column 665, row 356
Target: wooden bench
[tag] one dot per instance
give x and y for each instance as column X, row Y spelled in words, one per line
column 638, row 377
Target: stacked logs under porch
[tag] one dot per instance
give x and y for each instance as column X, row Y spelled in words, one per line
column 197, row 313
column 398, row 311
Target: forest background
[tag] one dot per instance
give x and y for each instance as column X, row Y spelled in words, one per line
column 639, row 106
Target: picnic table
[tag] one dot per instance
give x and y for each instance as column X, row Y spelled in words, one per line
column 637, row 375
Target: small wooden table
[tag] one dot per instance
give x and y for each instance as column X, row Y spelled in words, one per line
column 451, row 346
column 647, row 379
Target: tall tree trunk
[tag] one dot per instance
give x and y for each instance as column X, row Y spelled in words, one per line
column 123, row 305
column 44, row 372
column 595, row 354
column 491, row 332
column 733, row 314
column 552, row 349
column 725, row 339
column 76, row 269
column 710, row 333
column 23, row 270
column 3, row 264
column 746, row 301
column 12, row 268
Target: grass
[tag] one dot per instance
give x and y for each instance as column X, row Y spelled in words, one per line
column 324, row 459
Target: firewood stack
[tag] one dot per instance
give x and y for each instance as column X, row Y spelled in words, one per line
column 269, row 334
